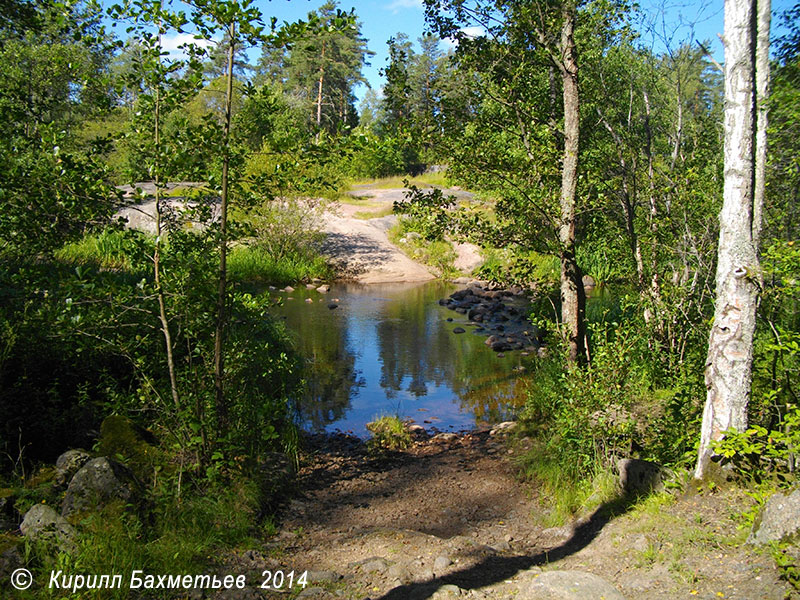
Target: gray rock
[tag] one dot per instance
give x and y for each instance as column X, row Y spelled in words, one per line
column 568, row 585
column 640, row 544
column 778, row 520
column 311, row 286
column 10, row 560
column 288, row 289
column 441, row 563
column 324, row 289
column 459, row 330
column 323, row 576
column 333, row 305
column 639, row 477
column 503, row 428
column 98, row 483
column 68, row 464
column 447, row 591
column 376, row 565
column 43, row 523
column 400, row 573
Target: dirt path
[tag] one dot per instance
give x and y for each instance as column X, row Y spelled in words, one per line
column 359, row 245
column 448, row 519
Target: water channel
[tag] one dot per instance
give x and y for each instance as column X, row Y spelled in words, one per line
column 388, row 349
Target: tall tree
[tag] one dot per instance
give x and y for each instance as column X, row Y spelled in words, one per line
column 739, row 281
column 323, row 63
column 524, row 41
column 573, row 299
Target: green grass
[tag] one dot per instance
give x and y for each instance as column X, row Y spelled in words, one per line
column 254, row 264
column 389, row 432
column 374, row 214
column 438, row 254
column 563, row 497
column 517, row 268
column 388, row 183
column 106, row 250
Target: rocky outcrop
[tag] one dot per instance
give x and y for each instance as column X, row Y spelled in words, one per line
column 98, row 483
column 779, row 519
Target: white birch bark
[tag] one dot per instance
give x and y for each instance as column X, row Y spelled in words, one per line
column 730, row 347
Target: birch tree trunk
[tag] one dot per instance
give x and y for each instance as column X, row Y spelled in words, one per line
column 738, row 281
column 573, row 299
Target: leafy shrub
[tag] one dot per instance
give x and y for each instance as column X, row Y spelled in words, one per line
column 514, row 267
column 285, row 228
column 377, row 158
column 582, row 420
column 425, row 212
column 759, row 452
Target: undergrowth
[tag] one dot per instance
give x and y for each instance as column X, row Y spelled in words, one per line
column 253, row 263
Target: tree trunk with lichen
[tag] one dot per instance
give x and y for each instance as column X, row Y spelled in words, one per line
column 730, row 347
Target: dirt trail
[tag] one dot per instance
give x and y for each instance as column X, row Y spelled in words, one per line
column 359, row 245
column 448, row 518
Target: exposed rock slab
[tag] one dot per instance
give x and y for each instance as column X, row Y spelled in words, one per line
column 568, row 585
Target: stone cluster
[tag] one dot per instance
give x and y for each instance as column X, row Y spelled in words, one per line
column 499, row 314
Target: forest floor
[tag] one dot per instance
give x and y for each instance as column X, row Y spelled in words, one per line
column 357, row 238
column 450, row 518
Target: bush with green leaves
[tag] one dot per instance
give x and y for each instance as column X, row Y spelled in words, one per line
column 511, row 266
column 620, row 405
column 376, row 157
column 426, row 212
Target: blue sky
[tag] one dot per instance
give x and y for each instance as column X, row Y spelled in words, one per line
column 663, row 22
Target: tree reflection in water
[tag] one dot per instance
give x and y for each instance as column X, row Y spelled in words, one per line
column 388, row 349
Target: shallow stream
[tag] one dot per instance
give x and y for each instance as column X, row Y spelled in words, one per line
column 388, row 349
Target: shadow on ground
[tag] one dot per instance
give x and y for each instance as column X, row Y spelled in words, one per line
column 495, row 569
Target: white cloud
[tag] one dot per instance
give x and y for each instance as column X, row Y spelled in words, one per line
column 171, row 43
column 398, row 5
column 470, row 32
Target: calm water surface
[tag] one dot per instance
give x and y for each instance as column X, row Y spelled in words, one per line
column 389, row 349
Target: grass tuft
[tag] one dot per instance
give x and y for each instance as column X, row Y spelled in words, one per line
column 389, row 433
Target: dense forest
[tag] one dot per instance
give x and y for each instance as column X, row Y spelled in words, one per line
column 589, row 154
